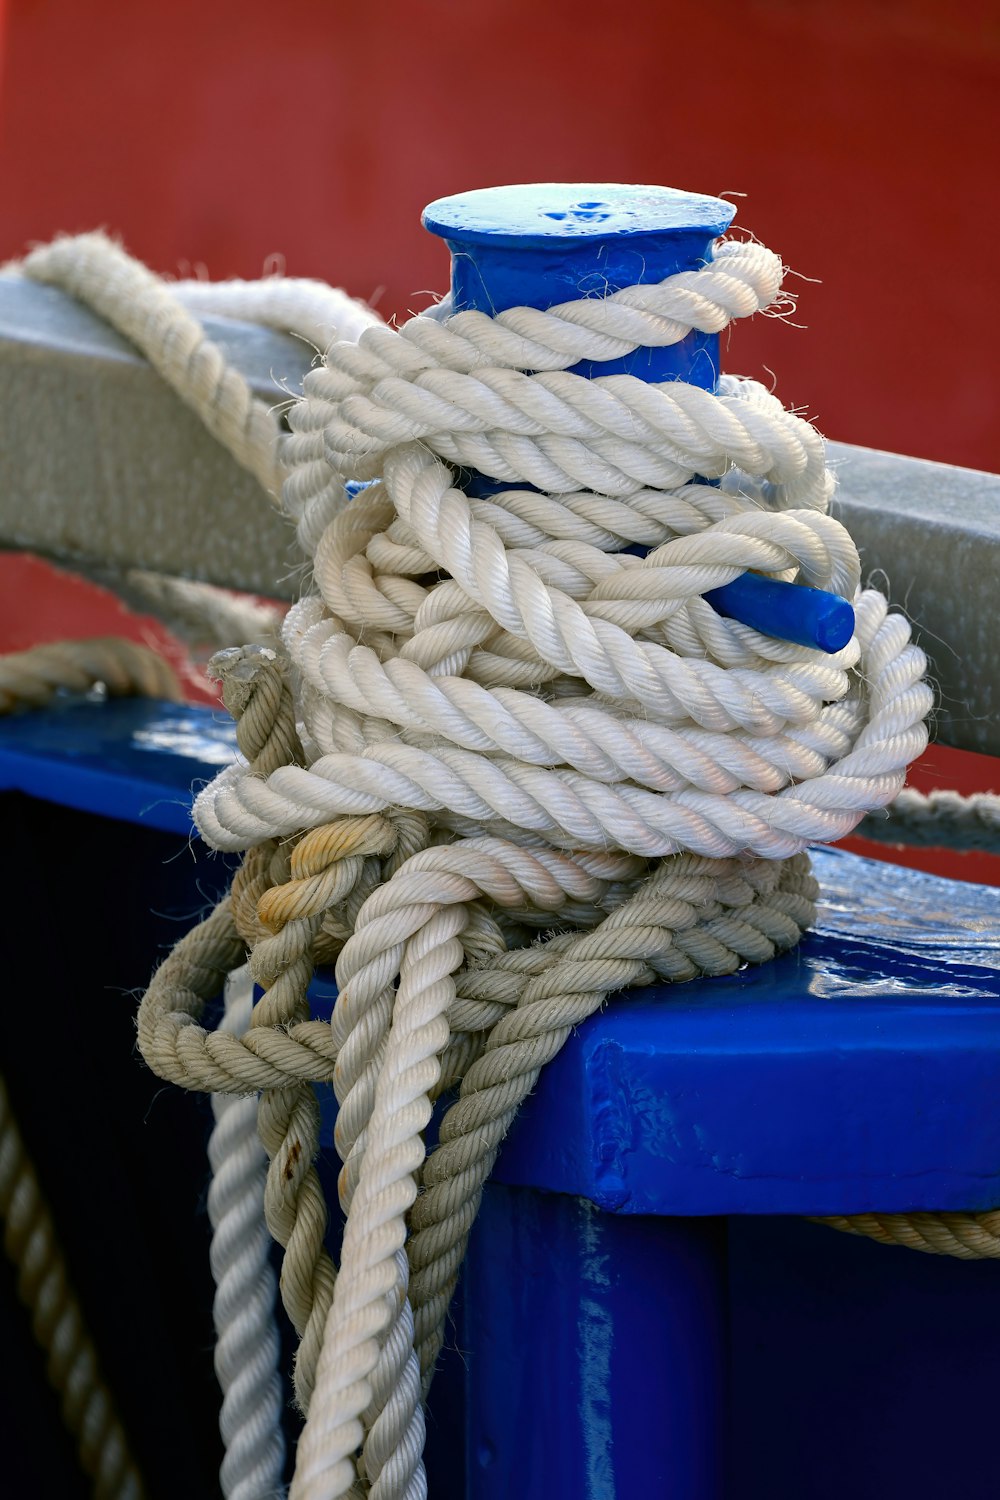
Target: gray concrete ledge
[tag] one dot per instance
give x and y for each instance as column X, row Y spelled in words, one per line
column 929, row 535
column 95, row 454
column 101, row 462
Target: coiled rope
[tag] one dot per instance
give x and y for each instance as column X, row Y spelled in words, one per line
column 557, row 714
column 487, row 720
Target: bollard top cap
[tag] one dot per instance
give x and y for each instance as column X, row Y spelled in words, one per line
column 535, row 214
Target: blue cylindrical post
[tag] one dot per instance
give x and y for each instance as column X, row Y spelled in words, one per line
column 541, row 244
column 594, row 1342
column 545, row 243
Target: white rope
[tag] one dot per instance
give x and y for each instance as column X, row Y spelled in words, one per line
column 200, row 614
column 310, row 310
column 556, row 711
column 247, row 1346
column 741, row 280
column 576, row 810
column 502, row 667
column 154, row 317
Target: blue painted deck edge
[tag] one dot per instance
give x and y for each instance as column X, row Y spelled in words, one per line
column 860, row 1072
column 139, row 760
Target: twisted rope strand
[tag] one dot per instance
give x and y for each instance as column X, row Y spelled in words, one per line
column 941, row 819
column 161, row 320
column 142, row 308
column 288, row 1117
column 324, row 869
column 372, row 1284
column 741, row 279
column 310, row 310
column 31, row 679
column 198, row 613
column 57, row 1321
column 968, row 1236
column 246, row 1347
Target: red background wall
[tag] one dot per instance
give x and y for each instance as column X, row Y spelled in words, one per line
column 236, row 135
column 223, row 133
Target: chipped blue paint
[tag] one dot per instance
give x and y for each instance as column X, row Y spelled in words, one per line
column 595, row 1334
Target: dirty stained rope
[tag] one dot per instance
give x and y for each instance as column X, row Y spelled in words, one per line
column 57, row 1321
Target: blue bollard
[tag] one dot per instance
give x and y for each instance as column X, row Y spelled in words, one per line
column 544, row 243
column 595, row 1345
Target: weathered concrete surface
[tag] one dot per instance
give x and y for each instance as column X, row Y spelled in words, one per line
column 933, row 534
column 100, row 461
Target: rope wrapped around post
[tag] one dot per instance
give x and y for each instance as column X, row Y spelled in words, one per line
column 508, row 760
column 585, row 747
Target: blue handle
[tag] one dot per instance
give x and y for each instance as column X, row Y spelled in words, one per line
column 789, row 611
column 540, row 244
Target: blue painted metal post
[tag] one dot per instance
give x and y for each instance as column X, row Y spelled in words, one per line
column 544, row 243
column 596, row 1352
column 596, row 1344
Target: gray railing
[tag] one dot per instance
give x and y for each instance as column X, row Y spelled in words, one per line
column 94, row 447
